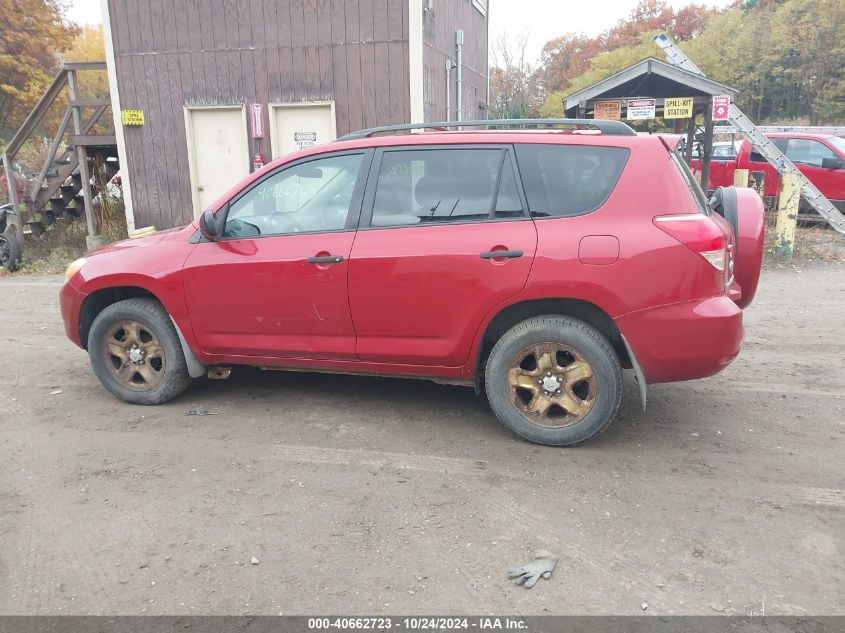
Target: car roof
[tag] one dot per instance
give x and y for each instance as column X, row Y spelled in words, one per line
column 475, row 137
column 808, row 135
column 464, row 137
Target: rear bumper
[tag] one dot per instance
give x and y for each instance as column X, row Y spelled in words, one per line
column 70, row 300
column 684, row 341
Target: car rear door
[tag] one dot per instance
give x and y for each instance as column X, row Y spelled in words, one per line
column 275, row 285
column 444, row 238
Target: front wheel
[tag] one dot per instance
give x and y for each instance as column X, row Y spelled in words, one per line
column 554, row 380
column 135, row 352
column 10, row 250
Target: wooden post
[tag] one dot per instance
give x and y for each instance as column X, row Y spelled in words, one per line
column 690, row 138
column 582, row 110
column 92, row 240
column 741, row 178
column 790, row 197
column 707, row 151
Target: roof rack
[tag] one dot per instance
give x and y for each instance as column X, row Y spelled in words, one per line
column 612, row 128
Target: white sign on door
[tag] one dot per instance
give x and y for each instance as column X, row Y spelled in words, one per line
column 305, row 140
column 640, row 109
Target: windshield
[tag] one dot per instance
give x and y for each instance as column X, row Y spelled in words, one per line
column 838, row 144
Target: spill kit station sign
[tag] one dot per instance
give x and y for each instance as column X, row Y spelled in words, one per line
column 677, row 108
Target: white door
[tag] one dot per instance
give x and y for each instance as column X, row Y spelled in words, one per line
column 298, row 126
column 219, row 152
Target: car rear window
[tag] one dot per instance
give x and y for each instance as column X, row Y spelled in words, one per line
column 569, row 180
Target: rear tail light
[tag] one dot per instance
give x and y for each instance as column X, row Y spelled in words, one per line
column 700, row 234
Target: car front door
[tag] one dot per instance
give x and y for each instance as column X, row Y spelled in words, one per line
column 443, row 240
column 275, row 283
column 809, row 156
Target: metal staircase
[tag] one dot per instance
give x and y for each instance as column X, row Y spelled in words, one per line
column 62, row 188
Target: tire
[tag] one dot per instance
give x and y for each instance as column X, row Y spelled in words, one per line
column 572, row 356
column 10, row 250
column 154, row 375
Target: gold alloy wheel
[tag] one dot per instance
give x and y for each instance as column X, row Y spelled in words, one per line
column 552, row 385
column 134, row 355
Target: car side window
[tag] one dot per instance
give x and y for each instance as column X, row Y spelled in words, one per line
column 569, row 180
column 757, row 157
column 435, row 186
column 309, row 197
column 808, row 151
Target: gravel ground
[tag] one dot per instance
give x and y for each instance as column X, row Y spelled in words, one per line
column 332, row 494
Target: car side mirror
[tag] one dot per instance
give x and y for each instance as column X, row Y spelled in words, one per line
column 832, row 162
column 210, row 225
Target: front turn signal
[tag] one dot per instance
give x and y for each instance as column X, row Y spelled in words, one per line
column 74, row 267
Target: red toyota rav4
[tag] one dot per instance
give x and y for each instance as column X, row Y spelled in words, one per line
column 535, row 264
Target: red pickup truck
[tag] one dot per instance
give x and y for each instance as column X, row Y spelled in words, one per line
column 820, row 157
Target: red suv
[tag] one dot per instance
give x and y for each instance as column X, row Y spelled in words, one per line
column 535, row 264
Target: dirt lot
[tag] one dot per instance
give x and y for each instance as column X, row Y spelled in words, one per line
column 366, row 495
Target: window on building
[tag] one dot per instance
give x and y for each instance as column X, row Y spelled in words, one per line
column 435, row 186
column 481, row 5
column 305, row 198
column 567, row 180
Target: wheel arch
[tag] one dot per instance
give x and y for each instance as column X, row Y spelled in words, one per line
column 512, row 314
column 101, row 299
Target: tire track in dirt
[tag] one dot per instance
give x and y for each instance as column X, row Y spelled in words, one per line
column 830, row 497
column 32, row 490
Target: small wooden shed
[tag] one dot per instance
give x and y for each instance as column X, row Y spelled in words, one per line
column 202, row 90
column 653, row 79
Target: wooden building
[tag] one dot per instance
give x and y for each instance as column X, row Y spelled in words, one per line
column 200, row 88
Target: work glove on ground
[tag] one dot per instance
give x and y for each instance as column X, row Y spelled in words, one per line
column 543, row 565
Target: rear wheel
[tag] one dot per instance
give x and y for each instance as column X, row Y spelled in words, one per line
column 135, row 352
column 554, row 380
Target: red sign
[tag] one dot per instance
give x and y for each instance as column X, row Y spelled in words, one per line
column 256, row 115
column 721, row 106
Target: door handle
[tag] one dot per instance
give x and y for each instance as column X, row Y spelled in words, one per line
column 328, row 259
column 502, row 254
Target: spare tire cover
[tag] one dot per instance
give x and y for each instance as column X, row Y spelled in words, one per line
column 750, row 235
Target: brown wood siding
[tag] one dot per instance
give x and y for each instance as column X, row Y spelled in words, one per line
column 175, row 53
column 439, row 45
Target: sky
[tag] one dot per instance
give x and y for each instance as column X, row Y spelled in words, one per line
column 541, row 20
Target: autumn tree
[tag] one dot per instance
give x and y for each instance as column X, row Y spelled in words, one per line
column 786, row 58
column 88, row 46
column 33, row 35
column 572, row 54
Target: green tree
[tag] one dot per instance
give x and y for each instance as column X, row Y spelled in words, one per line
column 809, row 62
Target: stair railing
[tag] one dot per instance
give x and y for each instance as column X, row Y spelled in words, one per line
column 65, row 77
